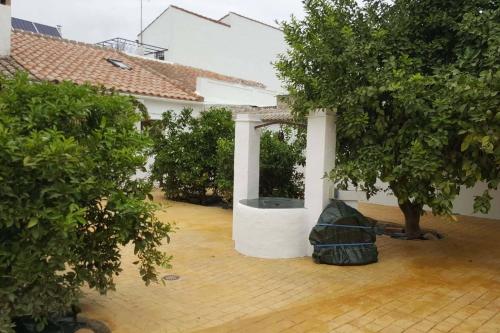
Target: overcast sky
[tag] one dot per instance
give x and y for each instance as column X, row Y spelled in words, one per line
column 97, row 20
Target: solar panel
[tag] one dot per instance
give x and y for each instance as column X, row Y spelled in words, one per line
column 36, row 28
column 23, row 25
column 47, row 30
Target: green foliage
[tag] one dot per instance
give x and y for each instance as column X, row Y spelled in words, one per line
column 281, row 156
column 67, row 199
column 415, row 87
column 186, row 153
column 225, row 169
column 195, row 158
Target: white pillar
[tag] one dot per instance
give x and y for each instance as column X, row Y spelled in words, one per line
column 5, row 29
column 246, row 159
column 320, row 160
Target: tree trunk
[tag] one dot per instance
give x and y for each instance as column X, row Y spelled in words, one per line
column 412, row 213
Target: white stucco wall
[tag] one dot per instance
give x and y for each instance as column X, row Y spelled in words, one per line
column 463, row 205
column 219, row 92
column 240, row 47
column 5, row 30
column 320, row 159
column 270, row 233
column 157, row 106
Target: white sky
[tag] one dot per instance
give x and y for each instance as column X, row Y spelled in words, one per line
column 97, row 20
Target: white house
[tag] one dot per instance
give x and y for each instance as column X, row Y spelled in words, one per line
column 162, row 86
column 234, row 45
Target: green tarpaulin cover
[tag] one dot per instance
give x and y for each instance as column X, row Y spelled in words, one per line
column 343, row 236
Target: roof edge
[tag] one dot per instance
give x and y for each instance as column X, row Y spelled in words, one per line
column 176, row 84
column 185, row 11
column 200, row 16
column 251, row 19
column 243, row 82
column 65, row 40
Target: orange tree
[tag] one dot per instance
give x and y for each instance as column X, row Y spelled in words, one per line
column 415, row 86
column 68, row 200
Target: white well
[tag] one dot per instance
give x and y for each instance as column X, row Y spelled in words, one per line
column 280, row 232
column 270, row 233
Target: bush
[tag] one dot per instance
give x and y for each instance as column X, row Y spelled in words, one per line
column 225, row 169
column 67, row 199
column 195, row 158
column 281, row 157
column 186, row 153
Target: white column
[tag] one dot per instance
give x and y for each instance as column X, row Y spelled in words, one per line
column 320, row 160
column 246, row 159
column 5, row 29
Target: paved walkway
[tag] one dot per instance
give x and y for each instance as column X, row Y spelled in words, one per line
column 452, row 285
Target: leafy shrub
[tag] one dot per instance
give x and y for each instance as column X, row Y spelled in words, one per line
column 225, row 169
column 281, row 157
column 67, row 199
column 186, row 153
column 195, row 157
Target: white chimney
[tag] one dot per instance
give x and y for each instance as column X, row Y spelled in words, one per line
column 5, row 27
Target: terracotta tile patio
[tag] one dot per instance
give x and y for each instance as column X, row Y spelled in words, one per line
column 452, row 285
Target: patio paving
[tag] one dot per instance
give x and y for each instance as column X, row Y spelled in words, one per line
column 451, row 285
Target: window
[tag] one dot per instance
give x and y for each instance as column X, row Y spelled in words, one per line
column 118, row 63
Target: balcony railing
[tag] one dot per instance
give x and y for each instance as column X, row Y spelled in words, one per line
column 134, row 47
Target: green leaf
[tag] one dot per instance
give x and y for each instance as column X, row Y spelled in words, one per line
column 467, row 142
column 27, row 161
column 32, row 222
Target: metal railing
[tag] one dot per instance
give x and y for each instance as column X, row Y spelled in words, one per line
column 134, row 47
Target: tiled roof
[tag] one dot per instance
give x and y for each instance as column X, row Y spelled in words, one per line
column 54, row 59
column 9, row 67
column 57, row 59
column 265, row 113
column 187, row 76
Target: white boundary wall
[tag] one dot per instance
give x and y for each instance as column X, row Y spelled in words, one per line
column 463, row 205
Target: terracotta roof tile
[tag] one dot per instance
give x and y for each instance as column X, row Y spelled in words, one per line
column 271, row 113
column 187, row 76
column 50, row 58
column 9, row 67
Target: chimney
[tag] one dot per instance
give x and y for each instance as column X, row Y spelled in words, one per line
column 5, row 27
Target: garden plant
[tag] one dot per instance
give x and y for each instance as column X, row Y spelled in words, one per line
column 68, row 197
column 415, row 87
column 194, row 157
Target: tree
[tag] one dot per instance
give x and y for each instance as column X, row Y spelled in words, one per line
column 415, row 88
column 68, row 201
